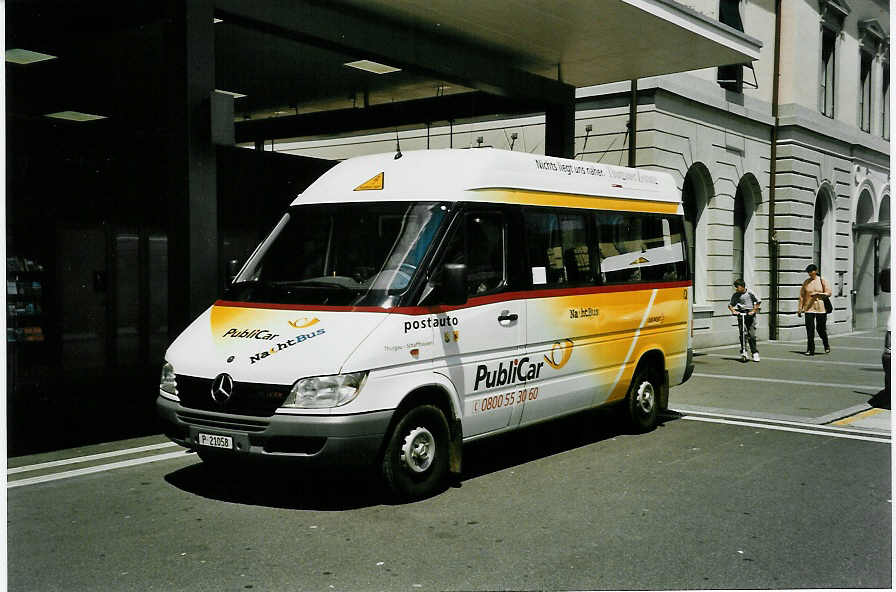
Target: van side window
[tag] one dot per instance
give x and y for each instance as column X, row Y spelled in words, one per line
column 640, row 248
column 558, row 248
column 483, row 251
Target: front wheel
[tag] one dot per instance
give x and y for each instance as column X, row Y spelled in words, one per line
column 642, row 402
column 415, row 462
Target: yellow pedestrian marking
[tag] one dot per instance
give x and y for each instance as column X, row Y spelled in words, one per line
column 858, row 416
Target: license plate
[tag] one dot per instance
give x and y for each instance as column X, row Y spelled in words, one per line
column 216, row 441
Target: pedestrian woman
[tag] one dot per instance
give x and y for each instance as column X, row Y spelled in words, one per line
column 812, row 302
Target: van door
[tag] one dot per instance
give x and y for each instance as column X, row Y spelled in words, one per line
column 482, row 343
column 563, row 317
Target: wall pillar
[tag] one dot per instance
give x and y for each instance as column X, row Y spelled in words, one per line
column 559, row 128
column 193, row 266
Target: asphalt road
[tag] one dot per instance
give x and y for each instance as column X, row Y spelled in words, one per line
column 704, row 501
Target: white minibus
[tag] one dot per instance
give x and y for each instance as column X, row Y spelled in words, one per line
column 408, row 303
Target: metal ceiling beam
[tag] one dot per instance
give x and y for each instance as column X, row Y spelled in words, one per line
column 414, row 112
column 369, row 37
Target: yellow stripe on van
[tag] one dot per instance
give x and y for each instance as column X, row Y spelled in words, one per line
column 563, row 200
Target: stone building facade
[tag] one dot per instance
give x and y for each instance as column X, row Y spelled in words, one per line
column 718, row 131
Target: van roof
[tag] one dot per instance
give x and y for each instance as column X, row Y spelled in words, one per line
column 459, row 174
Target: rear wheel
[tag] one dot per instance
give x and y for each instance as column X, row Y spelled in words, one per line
column 642, row 402
column 415, row 462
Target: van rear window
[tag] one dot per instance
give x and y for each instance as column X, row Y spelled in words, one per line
column 638, row 248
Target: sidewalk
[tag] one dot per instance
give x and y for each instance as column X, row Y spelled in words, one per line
column 844, row 388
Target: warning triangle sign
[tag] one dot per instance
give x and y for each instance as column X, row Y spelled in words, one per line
column 371, row 184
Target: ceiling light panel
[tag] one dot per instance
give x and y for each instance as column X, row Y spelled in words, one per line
column 235, row 95
column 371, row 66
column 75, row 116
column 25, row 56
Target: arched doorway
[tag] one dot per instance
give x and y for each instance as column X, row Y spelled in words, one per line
column 695, row 195
column 743, row 252
column 823, row 231
column 865, row 262
column 883, row 250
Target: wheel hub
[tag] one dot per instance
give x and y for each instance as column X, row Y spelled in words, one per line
column 418, row 450
column 645, row 398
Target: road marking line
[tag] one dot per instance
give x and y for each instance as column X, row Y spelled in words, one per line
column 764, row 358
column 800, row 382
column 96, row 469
column 815, row 432
column 858, row 416
column 839, row 347
column 88, row 458
column 770, row 420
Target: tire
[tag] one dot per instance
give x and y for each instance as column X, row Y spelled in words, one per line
column 415, row 462
column 642, row 401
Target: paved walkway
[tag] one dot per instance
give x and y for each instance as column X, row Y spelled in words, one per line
column 844, row 388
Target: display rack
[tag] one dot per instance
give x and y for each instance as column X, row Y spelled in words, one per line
column 24, row 301
column 25, row 319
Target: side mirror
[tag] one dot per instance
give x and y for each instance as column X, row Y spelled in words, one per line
column 884, row 278
column 453, row 287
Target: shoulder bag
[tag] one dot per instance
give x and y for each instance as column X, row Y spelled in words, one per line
column 828, row 307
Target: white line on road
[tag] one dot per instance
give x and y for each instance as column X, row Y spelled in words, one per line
column 803, row 344
column 800, row 382
column 732, row 356
column 88, row 458
column 781, row 428
column 96, row 469
column 772, row 420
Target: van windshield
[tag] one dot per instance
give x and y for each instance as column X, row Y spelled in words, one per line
column 346, row 254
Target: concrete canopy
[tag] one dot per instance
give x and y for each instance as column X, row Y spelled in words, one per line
column 530, row 51
column 587, row 42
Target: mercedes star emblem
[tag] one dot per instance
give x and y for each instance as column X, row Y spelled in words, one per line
column 222, row 389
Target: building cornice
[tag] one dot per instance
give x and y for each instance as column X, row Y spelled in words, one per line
column 697, row 90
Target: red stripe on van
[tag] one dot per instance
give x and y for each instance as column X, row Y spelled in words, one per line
column 476, row 301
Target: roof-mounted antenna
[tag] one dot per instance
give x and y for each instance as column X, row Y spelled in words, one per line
column 397, row 145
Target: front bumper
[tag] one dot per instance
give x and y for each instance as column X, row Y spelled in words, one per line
column 314, row 440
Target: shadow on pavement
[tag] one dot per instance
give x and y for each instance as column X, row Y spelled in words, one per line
column 543, row 440
column 278, row 487
column 282, row 486
column 881, row 400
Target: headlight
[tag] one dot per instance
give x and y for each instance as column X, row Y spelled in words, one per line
column 168, row 382
column 320, row 392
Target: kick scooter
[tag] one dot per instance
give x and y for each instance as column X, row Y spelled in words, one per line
column 742, row 324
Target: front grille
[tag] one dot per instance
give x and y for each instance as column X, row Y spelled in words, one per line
column 248, row 398
column 227, row 423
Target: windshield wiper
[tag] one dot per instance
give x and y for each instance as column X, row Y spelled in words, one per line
column 314, row 284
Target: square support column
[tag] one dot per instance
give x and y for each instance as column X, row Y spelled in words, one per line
column 193, row 266
column 559, row 128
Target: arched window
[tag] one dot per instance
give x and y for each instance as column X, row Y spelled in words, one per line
column 865, row 208
column 884, row 212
